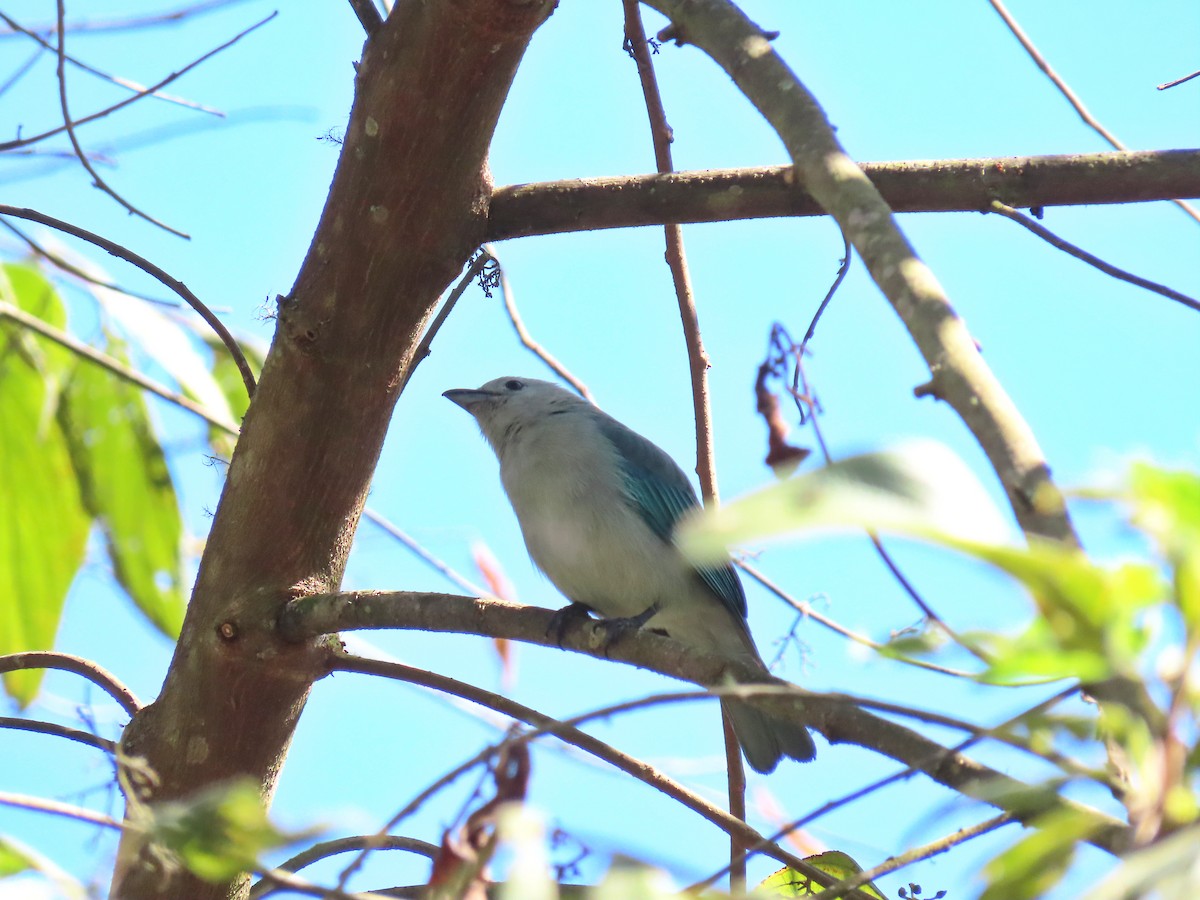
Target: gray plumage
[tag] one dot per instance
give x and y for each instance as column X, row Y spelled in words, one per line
column 597, row 504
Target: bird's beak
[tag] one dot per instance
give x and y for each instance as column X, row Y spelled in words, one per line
column 467, row 398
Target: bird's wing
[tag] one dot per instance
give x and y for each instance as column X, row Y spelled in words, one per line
column 661, row 494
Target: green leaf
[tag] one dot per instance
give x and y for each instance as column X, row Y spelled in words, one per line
column 14, row 857
column 1167, row 868
column 17, row 858
column 220, row 832
column 1036, row 863
column 125, row 484
column 43, row 523
column 1166, row 505
column 918, row 489
column 787, row 882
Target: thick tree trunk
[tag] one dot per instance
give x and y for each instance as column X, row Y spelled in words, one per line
column 407, row 206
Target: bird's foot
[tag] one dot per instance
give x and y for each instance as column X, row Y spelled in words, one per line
column 565, row 619
column 616, row 629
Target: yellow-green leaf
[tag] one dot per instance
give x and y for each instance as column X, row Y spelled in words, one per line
column 787, row 882
column 126, row 485
column 43, row 523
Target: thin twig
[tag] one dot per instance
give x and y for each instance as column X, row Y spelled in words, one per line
column 98, row 675
column 53, row 258
column 154, row 271
column 510, row 306
column 57, row 808
column 880, row 783
column 169, row 17
column 424, row 555
column 906, row 585
column 806, row 609
column 842, row 888
column 63, row 731
column 661, row 137
column 97, row 181
column 565, row 732
column 1178, row 81
column 91, row 354
column 1107, row 268
column 477, row 265
column 109, row 110
column 21, row 72
column 568, row 731
column 326, row 849
column 842, row 270
column 112, row 79
column 676, row 257
column 1065, row 90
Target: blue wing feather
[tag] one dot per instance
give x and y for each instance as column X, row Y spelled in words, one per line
column 661, row 493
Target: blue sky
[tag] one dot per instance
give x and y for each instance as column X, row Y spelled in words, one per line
column 1101, row 370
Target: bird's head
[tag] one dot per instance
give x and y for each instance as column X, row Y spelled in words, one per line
column 505, row 406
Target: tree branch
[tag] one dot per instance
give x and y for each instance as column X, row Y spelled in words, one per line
column 647, row 774
column 959, row 375
column 96, row 674
column 405, row 210
column 835, row 717
column 63, row 731
column 944, row 185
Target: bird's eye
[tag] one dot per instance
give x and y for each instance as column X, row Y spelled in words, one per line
column 513, row 385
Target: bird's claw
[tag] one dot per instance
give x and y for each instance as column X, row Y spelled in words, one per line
column 616, row 629
column 565, row 619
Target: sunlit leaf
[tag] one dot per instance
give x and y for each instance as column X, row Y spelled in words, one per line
column 919, row 488
column 1036, row 863
column 17, row 858
column 219, row 832
column 43, row 523
column 125, row 484
column 787, row 882
column 14, row 857
column 1167, row 505
column 1166, row 869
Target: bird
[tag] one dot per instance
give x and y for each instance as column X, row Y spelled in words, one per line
column 597, row 504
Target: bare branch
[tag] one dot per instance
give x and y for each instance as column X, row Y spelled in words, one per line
column 58, row 262
column 947, row 185
column 630, row 765
column 1079, row 253
column 57, row 808
column 423, row 349
column 108, row 110
column 1177, row 81
column 98, row 675
column 526, row 339
column 842, row 888
column 154, row 271
column 959, row 373
column 168, row 17
column 97, row 181
column 836, row 717
column 661, row 136
column 63, row 731
column 1065, row 89
column 118, row 368
column 326, row 849
column 368, row 15
column 112, row 79
column 806, row 609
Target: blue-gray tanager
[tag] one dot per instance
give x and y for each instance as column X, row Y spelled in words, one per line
column 597, row 504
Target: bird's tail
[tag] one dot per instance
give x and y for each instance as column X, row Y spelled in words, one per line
column 766, row 740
